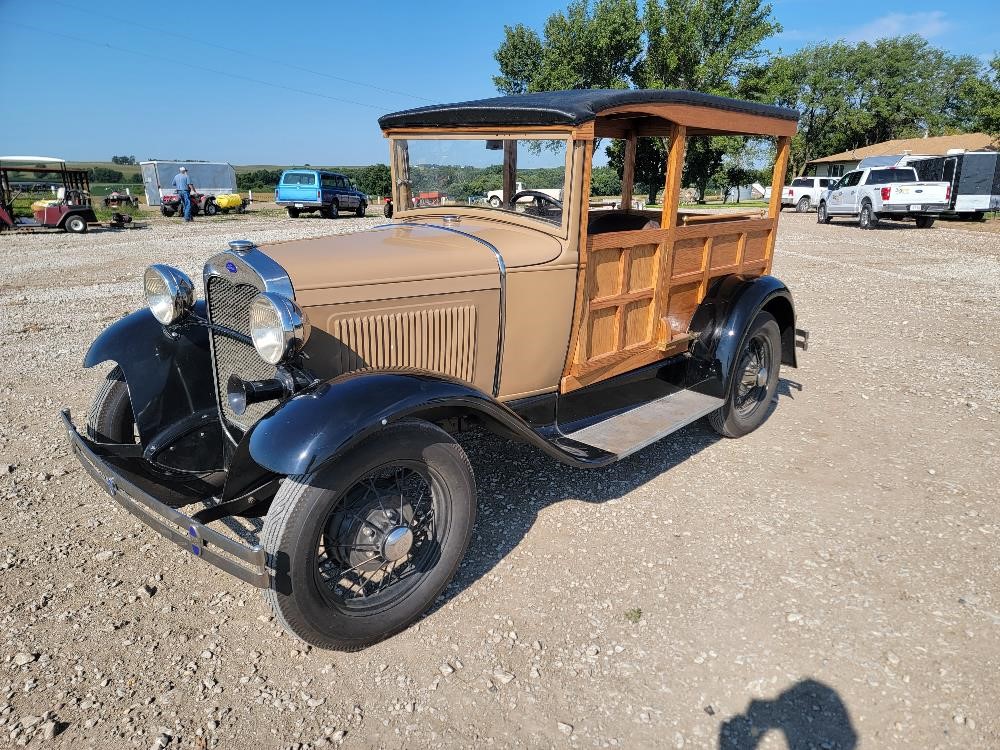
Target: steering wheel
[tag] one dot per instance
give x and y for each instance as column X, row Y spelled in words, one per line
column 538, row 196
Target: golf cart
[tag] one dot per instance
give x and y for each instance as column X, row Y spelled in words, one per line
column 70, row 210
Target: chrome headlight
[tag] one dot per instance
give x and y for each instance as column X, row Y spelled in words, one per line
column 278, row 327
column 169, row 293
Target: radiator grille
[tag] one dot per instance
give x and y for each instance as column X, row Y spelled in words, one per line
column 229, row 306
column 436, row 339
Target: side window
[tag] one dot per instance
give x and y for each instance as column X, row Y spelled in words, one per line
column 328, row 181
column 851, row 179
column 340, row 181
column 824, row 183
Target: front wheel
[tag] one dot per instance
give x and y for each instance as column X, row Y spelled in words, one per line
column 822, row 215
column 387, row 210
column 495, row 201
column 925, row 222
column 110, row 417
column 867, row 218
column 753, row 381
column 803, row 205
column 362, row 209
column 211, row 208
column 363, row 546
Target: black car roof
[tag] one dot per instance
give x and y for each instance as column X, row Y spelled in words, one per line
column 565, row 108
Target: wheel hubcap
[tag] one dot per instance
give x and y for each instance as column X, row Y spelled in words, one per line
column 397, row 543
column 761, row 377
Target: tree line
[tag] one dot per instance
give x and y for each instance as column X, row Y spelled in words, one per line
column 848, row 95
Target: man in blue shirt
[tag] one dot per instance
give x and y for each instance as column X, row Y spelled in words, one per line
column 183, row 185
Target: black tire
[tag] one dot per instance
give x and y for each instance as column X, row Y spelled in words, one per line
column 822, row 215
column 362, row 209
column 925, row 222
column 324, row 213
column 334, row 210
column 166, row 212
column 495, row 201
column 867, row 218
column 387, row 210
column 293, row 213
column 748, row 404
column 75, row 224
column 211, row 208
column 110, row 417
column 316, row 522
column 803, row 205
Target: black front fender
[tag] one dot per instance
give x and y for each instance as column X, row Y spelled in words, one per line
column 725, row 314
column 168, row 369
column 331, row 417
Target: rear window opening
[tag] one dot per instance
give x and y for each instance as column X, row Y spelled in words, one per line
column 299, row 178
column 805, row 182
column 885, row 176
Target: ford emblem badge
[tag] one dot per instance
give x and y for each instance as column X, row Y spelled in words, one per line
column 230, row 266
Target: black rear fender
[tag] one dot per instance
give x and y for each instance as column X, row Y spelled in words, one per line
column 725, row 314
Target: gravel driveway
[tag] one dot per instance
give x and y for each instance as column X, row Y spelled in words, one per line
column 830, row 581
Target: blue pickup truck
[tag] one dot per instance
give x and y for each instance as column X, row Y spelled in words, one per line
column 307, row 190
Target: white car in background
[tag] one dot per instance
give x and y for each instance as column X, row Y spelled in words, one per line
column 495, row 197
column 804, row 192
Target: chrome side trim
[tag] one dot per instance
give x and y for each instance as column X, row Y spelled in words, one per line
column 503, row 288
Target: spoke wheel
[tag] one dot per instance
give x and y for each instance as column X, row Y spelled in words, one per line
column 363, row 546
column 382, row 537
column 753, row 380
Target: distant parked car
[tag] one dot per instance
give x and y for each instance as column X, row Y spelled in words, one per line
column 306, row 190
column 804, row 192
column 876, row 193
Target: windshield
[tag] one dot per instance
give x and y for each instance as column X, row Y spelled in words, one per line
column 463, row 172
column 885, row 176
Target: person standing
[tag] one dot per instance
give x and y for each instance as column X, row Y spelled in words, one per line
column 184, row 187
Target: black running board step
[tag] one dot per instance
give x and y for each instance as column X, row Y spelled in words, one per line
column 633, row 430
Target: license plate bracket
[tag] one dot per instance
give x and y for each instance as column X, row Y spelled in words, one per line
column 916, row 207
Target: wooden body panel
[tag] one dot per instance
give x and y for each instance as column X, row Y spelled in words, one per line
column 641, row 289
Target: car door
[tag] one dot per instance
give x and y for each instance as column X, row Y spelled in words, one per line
column 344, row 196
column 846, row 194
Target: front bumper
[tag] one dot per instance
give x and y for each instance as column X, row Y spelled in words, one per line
column 247, row 563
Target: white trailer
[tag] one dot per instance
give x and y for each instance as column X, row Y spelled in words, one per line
column 209, row 178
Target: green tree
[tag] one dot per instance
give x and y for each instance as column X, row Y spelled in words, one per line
column 103, row 174
column 851, row 96
column 980, row 96
column 705, row 45
column 605, row 181
column 375, row 179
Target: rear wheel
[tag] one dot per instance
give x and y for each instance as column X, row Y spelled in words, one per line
column 753, row 381
column 387, row 210
column 803, row 205
column 211, row 208
column 925, row 222
column 362, row 547
column 75, row 224
column 293, row 213
column 334, row 210
column 822, row 215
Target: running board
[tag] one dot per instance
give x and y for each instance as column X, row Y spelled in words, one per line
column 633, row 430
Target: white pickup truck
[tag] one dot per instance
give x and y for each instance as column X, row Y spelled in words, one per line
column 495, row 197
column 804, row 192
column 876, row 193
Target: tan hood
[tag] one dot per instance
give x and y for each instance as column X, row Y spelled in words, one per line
column 389, row 262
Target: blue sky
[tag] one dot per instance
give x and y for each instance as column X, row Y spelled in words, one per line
column 304, row 82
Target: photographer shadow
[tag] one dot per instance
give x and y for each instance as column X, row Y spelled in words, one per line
column 809, row 714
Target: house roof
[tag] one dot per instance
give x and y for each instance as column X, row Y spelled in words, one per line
column 935, row 146
column 565, row 108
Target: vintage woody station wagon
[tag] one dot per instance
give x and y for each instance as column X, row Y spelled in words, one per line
column 318, row 383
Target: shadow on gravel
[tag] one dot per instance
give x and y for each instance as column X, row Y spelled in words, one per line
column 516, row 481
column 809, row 714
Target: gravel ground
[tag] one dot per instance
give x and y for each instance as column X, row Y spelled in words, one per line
column 830, row 581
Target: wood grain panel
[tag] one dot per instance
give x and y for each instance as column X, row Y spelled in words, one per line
column 636, row 322
column 604, row 272
column 725, row 250
column 603, row 338
column 689, row 256
column 756, row 246
column 642, row 269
